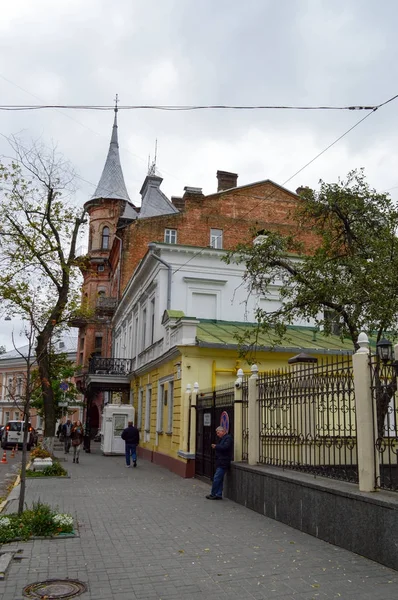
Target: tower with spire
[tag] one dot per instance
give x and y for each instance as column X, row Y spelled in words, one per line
column 109, row 201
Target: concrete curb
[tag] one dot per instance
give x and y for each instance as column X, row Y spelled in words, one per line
column 3, row 505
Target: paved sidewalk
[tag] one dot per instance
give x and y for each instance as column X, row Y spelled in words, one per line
column 147, row 534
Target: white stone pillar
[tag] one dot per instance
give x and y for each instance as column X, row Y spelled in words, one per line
column 192, row 436
column 253, row 418
column 366, row 422
column 185, row 417
column 238, row 424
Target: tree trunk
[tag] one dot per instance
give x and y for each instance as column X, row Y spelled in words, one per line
column 47, row 391
column 24, row 460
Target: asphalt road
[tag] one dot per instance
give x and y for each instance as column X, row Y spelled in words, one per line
column 8, row 471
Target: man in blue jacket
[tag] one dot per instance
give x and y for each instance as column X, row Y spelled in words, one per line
column 131, row 436
column 224, row 450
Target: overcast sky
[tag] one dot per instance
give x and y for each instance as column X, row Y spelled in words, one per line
column 291, row 52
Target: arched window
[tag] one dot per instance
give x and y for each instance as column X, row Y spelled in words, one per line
column 105, row 238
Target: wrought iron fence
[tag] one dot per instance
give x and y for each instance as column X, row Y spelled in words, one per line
column 384, row 393
column 307, row 419
column 245, row 423
column 109, row 366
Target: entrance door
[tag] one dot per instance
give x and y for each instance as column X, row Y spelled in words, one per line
column 212, row 409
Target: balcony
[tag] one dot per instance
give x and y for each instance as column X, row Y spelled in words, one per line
column 109, row 366
column 105, row 305
column 111, row 374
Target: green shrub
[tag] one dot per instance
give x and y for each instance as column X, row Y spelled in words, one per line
column 55, row 470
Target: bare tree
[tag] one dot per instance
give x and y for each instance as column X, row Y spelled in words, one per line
column 39, row 276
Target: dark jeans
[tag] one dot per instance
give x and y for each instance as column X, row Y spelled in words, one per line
column 67, row 443
column 131, row 449
column 218, row 482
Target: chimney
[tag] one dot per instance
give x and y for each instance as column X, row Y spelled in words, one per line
column 192, row 193
column 226, row 180
column 178, row 202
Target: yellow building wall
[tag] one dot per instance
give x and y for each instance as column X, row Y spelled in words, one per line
column 206, row 366
column 165, row 442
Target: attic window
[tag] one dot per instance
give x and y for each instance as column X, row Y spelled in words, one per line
column 170, row 236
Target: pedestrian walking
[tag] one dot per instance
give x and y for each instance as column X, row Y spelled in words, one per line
column 223, row 449
column 66, row 432
column 77, row 435
column 131, row 437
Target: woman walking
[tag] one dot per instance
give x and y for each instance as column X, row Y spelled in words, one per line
column 77, row 439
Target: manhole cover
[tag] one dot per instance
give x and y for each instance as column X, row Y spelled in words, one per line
column 54, row 588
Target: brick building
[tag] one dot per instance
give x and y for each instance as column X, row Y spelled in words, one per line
column 119, row 234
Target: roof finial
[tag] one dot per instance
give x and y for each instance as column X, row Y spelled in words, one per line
column 116, row 101
column 152, row 166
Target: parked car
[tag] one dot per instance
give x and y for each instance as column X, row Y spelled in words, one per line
column 12, row 435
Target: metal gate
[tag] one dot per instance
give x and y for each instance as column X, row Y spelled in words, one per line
column 213, row 408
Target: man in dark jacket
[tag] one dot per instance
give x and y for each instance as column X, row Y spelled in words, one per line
column 224, row 450
column 131, row 436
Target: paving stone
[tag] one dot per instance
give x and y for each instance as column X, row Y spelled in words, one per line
column 148, row 534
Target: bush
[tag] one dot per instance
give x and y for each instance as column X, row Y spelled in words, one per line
column 40, row 520
column 39, row 452
column 55, row 470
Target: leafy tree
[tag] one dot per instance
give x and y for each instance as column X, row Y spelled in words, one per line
column 61, row 369
column 338, row 270
column 39, row 228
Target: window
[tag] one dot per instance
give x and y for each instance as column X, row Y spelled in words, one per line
column 105, row 238
column 6, row 417
column 148, row 412
column 135, row 344
column 152, row 323
column 170, row 407
column 159, row 413
column 19, row 386
column 139, row 412
column 216, row 238
column 170, row 236
column 98, row 345
column 144, row 329
column 100, row 268
column 332, row 319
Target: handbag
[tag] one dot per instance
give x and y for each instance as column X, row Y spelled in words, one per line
column 76, row 441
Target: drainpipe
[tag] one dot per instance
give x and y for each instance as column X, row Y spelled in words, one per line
column 120, row 266
column 169, row 273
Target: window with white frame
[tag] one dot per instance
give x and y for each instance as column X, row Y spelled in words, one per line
column 159, row 411
column 135, row 343
column 170, row 407
column 140, row 404
column 152, row 321
column 19, row 386
column 148, row 402
column 6, row 417
column 143, row 346
column 216, row 238
column 170, row 236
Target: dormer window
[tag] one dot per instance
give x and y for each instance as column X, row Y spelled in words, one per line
column 170, row 236
column 105, row 238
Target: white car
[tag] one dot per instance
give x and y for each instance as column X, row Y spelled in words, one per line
column 13, row 435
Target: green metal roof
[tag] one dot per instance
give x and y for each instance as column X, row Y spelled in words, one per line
column 222, row 334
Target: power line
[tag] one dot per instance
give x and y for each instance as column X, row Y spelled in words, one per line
column 294, row 175
column 22, row 107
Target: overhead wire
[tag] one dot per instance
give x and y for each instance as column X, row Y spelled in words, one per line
column 267, row 197
column 170, row 107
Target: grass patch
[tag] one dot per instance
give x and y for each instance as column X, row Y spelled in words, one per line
column 40, row 520
column 55, row 470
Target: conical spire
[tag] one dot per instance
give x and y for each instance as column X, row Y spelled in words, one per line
column 111, row 185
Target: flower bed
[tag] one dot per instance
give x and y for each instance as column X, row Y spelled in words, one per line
column 55, row 470
column 41, row 520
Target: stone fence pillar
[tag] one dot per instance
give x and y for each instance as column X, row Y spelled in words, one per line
column 253, row 419
column 238, row 423
column 368, row 470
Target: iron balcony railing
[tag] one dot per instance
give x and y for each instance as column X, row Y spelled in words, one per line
column 109, row 366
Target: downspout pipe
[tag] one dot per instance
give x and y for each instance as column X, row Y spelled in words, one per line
column 169, row 273
column 120, row 266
